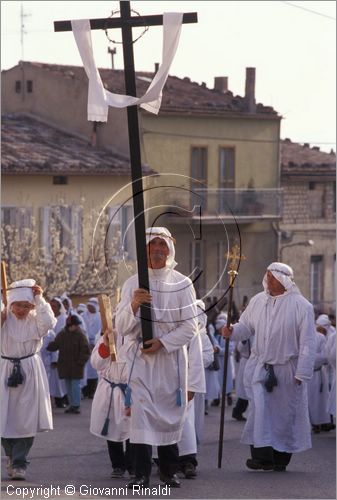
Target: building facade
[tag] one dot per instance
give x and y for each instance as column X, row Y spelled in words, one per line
column 308, row 227
column 216, row 156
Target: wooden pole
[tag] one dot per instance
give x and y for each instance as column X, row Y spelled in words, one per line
column 232, row 275
column 4, row 283
column 107, row 323
column 126, row 22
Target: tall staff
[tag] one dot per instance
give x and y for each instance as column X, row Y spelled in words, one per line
column 234, row 256
column 4, row 283
column 107, row 322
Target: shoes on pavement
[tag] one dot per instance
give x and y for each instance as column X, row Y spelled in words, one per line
column 19, row 473
column 238, row 416
column 254, row 464
column 172, row 481
column 229, row 400
column 117, row 472
column 327, row 427
column 9, row 467
column 280, row 468
column 316, row 429
column 141, row 481
column 189, row 470
column 73, row 409
column 215, row 402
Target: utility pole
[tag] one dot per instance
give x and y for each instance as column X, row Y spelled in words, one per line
column 22, row 31
column 112, row 52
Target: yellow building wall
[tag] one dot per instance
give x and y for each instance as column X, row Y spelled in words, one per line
column 168, row 141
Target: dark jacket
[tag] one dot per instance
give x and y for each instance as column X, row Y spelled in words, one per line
column 74, row 352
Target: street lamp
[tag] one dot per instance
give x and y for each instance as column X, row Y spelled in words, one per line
column 307, row 243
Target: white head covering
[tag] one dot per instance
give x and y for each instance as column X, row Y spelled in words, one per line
column 201, row 316
column 81, row 308
column 220, row 321
column 323, row 320
column 59, row 301
column 163, row 233
column 93, row 301
column 20, row 291
column 283, row 273
column 64, row 297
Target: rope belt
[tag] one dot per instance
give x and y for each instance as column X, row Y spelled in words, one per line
column 16, row 378
column 321, row 374
column 270, row 380
column 122, row 387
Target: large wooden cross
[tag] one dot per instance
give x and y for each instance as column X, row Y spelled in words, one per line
column 126, row 22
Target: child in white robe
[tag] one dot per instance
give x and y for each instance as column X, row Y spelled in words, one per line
column 109, row 420
column 25, row 401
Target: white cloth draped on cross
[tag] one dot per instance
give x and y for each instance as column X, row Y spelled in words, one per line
column 99, row 99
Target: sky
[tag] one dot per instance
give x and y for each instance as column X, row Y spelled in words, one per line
column 292, row 45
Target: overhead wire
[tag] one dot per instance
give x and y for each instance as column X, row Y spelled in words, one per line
column 308, row 10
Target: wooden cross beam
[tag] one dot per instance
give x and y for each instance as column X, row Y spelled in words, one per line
column 126, row 22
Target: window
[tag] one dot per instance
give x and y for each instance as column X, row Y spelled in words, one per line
column 60, row 180
column 17, row 234
column 227, row 168
column 226, row 179
column 197, row 273
column 312, row 186
column 61, row 226
column 18, row 86
column 120, row 237
column 29, row 86
column 198, row 173
column 316, row 279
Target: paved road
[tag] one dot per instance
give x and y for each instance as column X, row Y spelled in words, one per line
column 70, row 455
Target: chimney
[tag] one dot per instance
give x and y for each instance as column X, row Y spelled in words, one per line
column 221, row 83
column 250, row 90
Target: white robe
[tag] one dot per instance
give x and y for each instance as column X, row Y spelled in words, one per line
column 199, row 398
column 114, row 371
column 57, row 386
column 156, row 419
column 331, row 357
column 211, row 376
column 197, row 384
column 244, row 350
column 318, row 385
column 229, row 381
column 93, row 325
column 284, row 337
column 26, row 409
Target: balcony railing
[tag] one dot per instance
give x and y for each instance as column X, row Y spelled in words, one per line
column 243, row 204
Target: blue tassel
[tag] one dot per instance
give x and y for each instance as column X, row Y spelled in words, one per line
column 179, row 397
column 105, row 429
column 127, row 400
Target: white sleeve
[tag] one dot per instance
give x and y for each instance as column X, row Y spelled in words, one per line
column 45, row 318
column 207, row 349
column 127, row 322
column 196, row 374
column 188, row 326
column 97, row 362
column 307, row 344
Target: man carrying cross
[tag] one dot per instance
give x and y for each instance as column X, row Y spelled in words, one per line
column 158, row 374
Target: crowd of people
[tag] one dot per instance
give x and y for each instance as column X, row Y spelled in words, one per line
column 151, row 400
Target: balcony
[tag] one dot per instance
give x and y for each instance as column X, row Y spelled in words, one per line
column 245, row 205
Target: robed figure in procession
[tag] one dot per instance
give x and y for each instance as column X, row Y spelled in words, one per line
column 157, row 375
column 278, row 369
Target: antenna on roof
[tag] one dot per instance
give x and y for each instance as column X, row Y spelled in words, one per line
column 23, row 32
